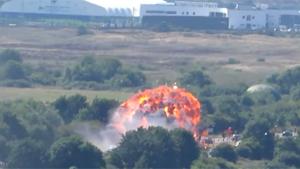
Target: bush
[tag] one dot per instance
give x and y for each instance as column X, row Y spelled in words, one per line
column 16, row 83
column 233, row 61
column 73, row 152
column 260, row 139
column 10, row 55
column 212, row 163
column 102, row 74
column 82, row 30
column 226, row 152
column 128, row 79
column 195, row 78
column 289, row 159
column 69, row 107
column 43, row 78
column 98, row 110
column 26, row 154
column 13, row 70
column 260, row 59
column 245, row 151
column 155, row 149
column 295, row 93
column 286, row 80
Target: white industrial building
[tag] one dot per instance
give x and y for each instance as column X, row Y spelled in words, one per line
column 183, row 8
column 123, row 8
column 193, row 15
column 63, row 7
column 256, row 19
column 247, row 19
column 190, row 14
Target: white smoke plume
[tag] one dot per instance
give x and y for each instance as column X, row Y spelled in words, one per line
column 108, row 137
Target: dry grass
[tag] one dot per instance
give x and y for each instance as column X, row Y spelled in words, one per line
column 162, row 55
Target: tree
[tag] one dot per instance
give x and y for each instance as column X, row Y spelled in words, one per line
column 260, row 139
column 186, row 147
column 4, row 149
column 195, row 78
column 286, row 80
column 10, row 55
column 69, row 107
column 26, row 154
column 86, row 70
column 289, row 159
column 145, row 148
column 226, row 152
column 228, row 106
column 295, row 94
column 14, row 70
column 14, row 129
column 98, row 110
column 129, row 79
column 212, row 163
column 207, row 107
column 110, row 67
column 72, row 151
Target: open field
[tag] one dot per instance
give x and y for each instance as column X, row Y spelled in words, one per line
column 49, row 95
column 162, row 56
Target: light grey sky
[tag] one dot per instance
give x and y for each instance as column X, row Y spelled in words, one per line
column 124, row 3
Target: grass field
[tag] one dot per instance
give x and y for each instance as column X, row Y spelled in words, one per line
column 49, row 95
column 161, row 56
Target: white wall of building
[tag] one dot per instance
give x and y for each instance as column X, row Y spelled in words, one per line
column 180, row 9
column 247, row 19
column 62, row 7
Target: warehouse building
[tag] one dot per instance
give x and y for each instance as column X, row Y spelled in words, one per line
column 257, row 18
column 79, row 8
column 193, row 15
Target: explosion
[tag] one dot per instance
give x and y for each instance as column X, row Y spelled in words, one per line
column 169, row 107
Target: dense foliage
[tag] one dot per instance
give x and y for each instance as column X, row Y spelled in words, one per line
column 155, row 147
column 89, row 73
column 32, row 134
column 41, row 135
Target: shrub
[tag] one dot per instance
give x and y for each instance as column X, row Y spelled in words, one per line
column 244, row 151
column 69, row 107
column 72, row 151
column 98, row 110
column 43, row 78
column 260, row 59
column 195, row 78
column 82, row 30
column 128, row 79
column 16, row 83
column 13, row 70
column 10, row 55
column 289, row 159
column 233, row 61
column 226, row 152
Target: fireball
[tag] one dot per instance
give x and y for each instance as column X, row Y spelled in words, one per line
column 169, row 107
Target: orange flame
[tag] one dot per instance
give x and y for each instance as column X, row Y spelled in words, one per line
column 176, row 105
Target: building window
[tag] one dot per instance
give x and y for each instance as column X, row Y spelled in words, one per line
column 249, row 18
column 244, row 17
column 161, row 12
column 155, row 12
column 171, row 12
column 187, row 13
column 194, row 13
column 253, row 17
column 182, row 13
